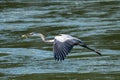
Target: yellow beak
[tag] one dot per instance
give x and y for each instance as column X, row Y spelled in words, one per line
column 24, row 36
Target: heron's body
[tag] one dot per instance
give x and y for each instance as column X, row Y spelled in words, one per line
column 64, row 37
column 63, row 44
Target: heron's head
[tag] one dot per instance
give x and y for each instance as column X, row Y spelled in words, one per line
column 32, row 34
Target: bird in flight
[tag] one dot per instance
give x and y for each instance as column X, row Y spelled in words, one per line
column 62, row 44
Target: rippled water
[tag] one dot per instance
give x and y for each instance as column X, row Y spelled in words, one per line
column 97, row 23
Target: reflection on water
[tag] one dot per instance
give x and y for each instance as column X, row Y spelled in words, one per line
column 96, row 23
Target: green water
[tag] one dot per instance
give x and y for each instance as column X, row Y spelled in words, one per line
column 97, row 23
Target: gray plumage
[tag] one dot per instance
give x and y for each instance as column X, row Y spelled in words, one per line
column 63, row 44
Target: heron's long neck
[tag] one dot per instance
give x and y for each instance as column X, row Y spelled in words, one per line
column 43, row 39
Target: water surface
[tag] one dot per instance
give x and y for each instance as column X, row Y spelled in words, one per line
column 97, row 23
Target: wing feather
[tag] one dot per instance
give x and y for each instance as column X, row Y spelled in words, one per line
column 61, row 49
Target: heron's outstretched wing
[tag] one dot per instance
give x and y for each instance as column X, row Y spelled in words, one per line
column 61, row 49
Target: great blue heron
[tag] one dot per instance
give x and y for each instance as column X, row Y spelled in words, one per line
column 62, row 44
